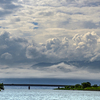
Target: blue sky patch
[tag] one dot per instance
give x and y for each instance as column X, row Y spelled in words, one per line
column 35, row 23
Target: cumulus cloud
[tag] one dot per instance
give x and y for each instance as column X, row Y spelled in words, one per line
column 81, row 51
column 82, row 47
column 57, row 55
column 59, row 29
column 86, row 40
column 85, row 45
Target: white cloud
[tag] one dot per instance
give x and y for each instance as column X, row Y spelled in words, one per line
column 81, row 47
column 62, row 30
column 55, row 50
column 48, row 16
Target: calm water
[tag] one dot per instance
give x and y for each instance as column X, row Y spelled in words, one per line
column 47, row 94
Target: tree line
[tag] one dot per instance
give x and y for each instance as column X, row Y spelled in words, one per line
column 82, row 86
column 1, row 86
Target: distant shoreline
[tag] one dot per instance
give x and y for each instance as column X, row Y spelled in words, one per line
column 76, row 89
column 85, row 86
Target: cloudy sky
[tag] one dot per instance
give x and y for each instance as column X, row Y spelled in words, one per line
column 50, row 39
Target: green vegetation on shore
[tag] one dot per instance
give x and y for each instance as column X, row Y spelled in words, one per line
column 83, row 86
column 1, row 86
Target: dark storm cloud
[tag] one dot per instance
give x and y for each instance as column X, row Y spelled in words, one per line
column 12, row 50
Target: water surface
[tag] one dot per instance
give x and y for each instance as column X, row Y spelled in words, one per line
column 47, row 94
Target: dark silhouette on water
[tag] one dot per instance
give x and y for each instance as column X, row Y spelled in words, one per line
column 29, row 87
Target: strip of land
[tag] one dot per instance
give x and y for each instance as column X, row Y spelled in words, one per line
column 1, row 86
column 83, row 86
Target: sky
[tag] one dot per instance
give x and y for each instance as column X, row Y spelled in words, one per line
column 50, row 39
